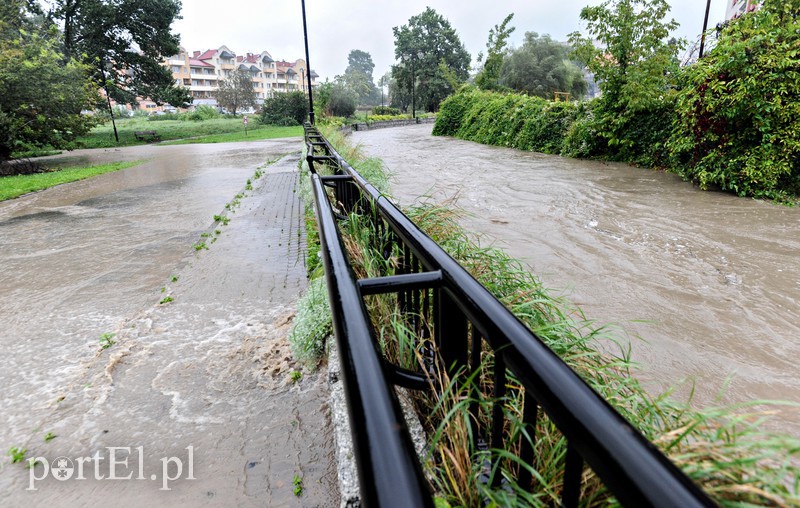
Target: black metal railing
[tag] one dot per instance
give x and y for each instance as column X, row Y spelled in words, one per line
column 438, row 294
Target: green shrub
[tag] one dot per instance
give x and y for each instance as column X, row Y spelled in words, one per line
column 342, row 102
column 203, row 112
column 386, row 110
column 312, row 324
column 285, row 109
column 738, row 122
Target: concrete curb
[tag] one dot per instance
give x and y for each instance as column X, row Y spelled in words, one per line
column 343, row 442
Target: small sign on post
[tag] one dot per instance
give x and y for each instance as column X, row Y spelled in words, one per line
column 245, row 121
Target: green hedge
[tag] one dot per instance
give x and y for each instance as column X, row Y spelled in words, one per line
column 655, row 138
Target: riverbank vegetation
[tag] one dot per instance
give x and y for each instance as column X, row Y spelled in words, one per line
column 721, row 449
column 14, row 186
column 729, row 121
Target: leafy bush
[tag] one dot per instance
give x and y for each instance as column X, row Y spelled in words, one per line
column 203, row 112
column 386, row 110
column 739, row 112
column 341, row 102
column 285, row 109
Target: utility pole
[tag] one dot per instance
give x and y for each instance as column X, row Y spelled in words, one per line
column 705, row 27
column 308, row 67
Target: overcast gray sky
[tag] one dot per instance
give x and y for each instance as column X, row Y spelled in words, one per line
column 337, row 26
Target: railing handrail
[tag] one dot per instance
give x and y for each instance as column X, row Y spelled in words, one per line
column 634, row 470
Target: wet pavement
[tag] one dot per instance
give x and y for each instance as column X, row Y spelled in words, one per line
column 707, row 285
column 193, row 404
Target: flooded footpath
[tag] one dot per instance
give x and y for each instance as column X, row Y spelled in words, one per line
column 706, row 285
column 192, row 402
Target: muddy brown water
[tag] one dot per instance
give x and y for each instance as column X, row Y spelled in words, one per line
column 205, row 379
column 705, row 285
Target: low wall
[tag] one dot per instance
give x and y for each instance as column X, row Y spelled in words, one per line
column 390, row 123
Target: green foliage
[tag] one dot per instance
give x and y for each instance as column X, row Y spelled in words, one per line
column 489, row 77
column 236, row 93
column 739, row 110
column 540, row 67
column 17, row 454
column 115, row 37
column 512, row 120
column 298, row 485
column 106, row 340
column 41, row 93
column 358, row 78
column 386, row 110
column 203, row 112
column 636, row 67
column 342, row 102
column 13, row 186
column 290, row 108
column 425, row 46
column 312, row 324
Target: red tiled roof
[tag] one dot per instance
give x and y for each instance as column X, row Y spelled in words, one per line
column 208, row 54
column 194, row 62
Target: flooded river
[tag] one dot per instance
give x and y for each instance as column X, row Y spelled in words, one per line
column 706, row 285
column 203, row 380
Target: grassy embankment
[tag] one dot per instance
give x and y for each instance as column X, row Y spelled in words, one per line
column 217, row 130
column 14, row 186
column 721, row 449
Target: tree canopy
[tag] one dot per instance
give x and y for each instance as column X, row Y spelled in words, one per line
column 489, row 77
column 430, row 51
column 124, row 42
column 636, row 67
column 236, row 92
column 633, row 61
column 358, row 77
column 540, row 67
column 42, row 93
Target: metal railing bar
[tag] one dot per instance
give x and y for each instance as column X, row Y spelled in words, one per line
column 389, row 472
column 407, row 378
column 335, row 178
column 402, row 282
column 573, row 468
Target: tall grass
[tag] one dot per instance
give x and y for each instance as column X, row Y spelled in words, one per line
column 721, row 449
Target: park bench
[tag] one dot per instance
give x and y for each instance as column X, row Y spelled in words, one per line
column 147, row 136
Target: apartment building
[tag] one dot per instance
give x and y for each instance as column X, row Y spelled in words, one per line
column 202, row 72
column 738, row 7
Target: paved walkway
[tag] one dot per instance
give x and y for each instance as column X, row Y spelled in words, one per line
column 203, row 382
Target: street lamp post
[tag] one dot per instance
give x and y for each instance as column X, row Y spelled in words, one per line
column 412, row 56
column 308, row 67
column 705, row 27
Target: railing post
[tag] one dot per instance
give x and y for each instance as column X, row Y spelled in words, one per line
column 450, row 332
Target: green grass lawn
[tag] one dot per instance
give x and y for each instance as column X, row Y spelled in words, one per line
column 261, row 132
column 14, row 186
column 103, row 135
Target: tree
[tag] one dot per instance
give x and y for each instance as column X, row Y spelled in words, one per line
column 636, row 67
column 488, row 78
column 633, row 66
column 236, row 92
column 124, row 42
column 290, row 108
column 738, row 123
column 41, row 93
column 422, row 45
column 540, row 67
column 358, row 76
